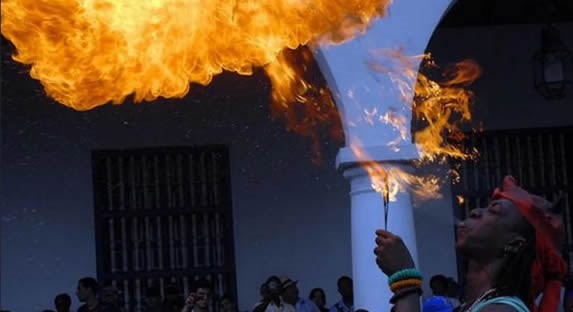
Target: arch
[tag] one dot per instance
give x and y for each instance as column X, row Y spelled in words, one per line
column 409, row 26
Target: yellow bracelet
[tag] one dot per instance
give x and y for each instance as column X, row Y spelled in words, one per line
column 405, row 283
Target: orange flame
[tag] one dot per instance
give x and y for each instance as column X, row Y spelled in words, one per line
column 301, row 96
column 87, row 53
column 442, row 106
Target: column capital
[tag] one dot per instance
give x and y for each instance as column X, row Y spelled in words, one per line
column 347, row 159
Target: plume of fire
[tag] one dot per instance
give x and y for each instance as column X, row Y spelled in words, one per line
column 88, row 53
column 301, row 97
column 441, row 105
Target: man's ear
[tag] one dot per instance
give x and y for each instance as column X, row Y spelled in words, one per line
column 514, row 245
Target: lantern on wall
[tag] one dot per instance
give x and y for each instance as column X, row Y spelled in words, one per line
column 552, row 65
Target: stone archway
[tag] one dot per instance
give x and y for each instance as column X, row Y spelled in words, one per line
column 409, row 25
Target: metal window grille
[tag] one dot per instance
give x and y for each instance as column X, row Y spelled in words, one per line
column 163, row 217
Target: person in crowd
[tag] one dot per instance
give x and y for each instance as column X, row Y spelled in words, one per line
column 346, row 303
column 153, row 300
column 173, row 301
column 453, row 292
column 87, row 293
column 271, row 300
column 499, row 243
column 290, row 295
column 199, row 300
column 227, row 304
column 438, row 302
column 63, row 303
column 110, row 299
column 318, row 296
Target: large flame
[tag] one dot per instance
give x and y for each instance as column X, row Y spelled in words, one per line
column 440, row 105
column 301, row 97
column 88, row 53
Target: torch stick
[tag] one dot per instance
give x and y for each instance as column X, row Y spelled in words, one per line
column 386, row 198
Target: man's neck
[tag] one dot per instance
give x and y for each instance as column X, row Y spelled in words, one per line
column 349, row 302
column 479, row 279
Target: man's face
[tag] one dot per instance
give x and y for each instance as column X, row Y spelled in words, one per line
column 109, row 296
column 203, row 296
column 227, row 306
column 345, row 288
column 318, row 299
column 83, row 293
column 290, row 294
column 62, row 305
column 487, row 230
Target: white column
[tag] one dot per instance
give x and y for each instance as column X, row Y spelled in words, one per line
column 409, row 26
column 371, row 291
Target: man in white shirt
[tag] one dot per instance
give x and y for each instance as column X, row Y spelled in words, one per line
column 272, row 301
column 290, row 295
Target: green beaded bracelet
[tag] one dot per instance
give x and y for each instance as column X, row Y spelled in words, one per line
column 404, row 274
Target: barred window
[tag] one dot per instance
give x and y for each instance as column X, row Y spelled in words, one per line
column 163, row 218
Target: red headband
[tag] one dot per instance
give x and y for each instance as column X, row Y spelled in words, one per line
column 531, row 206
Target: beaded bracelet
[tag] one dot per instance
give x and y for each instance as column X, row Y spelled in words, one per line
column 404, row 274
column 405, row 292
column 405, row 283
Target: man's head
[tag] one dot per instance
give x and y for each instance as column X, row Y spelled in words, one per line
column 504, row 235
column 227, row 304
column 453, row 288
column 272, row 287
column 487, row 231
column 439, row 285
column 153, row 297
column 87, row 289
column 345, row 288
column 290, row 292
column 318, row 296
column 63, row 302
column 173, row 296
column 202, row 290
column 110, row 295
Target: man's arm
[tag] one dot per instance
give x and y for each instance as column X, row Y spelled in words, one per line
column 408, row 303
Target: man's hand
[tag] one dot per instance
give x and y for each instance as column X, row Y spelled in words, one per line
column 391, row 253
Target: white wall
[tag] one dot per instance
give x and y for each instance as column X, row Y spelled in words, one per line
column 290, row 215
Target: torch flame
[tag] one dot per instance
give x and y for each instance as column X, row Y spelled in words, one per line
column 442, row 106
column 87, row 53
